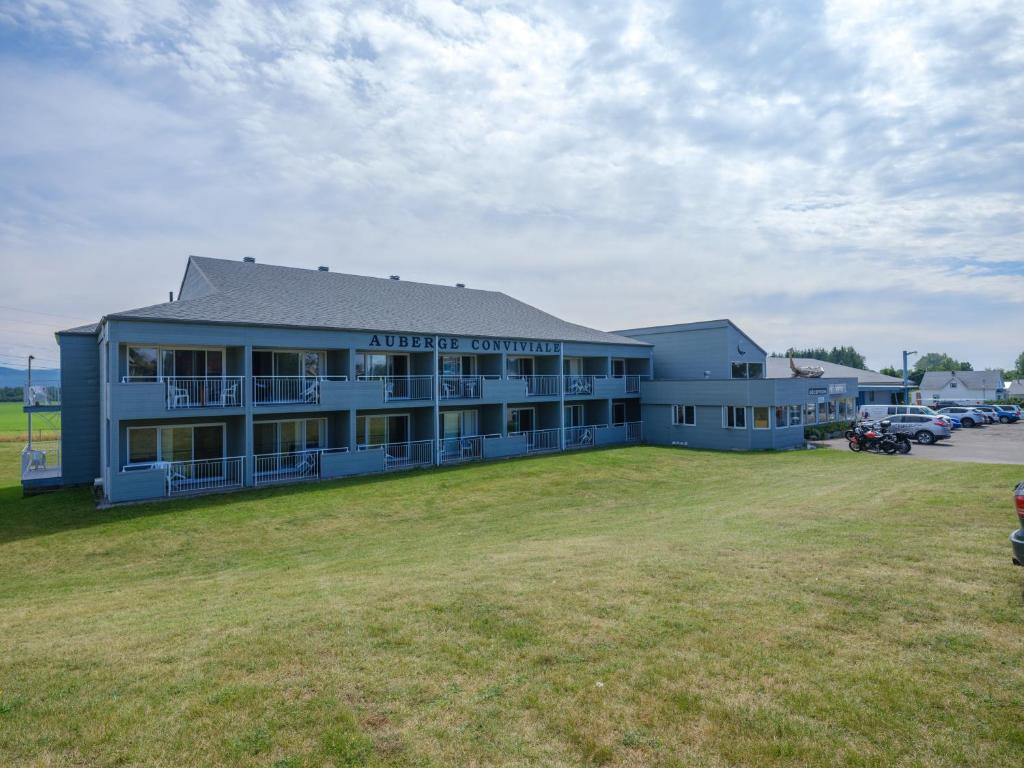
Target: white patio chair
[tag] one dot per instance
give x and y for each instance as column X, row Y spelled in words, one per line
column 179, row 397
column 229, row 394
column 311, row 394
column 36, row 459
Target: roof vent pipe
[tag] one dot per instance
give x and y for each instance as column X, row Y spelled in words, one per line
column 395, row 277
column 323, row 269
column 460, row 285
column 170, row 295
column 249, row 259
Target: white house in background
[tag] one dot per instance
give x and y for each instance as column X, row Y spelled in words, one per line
column 975, row 386
column 1015, row 388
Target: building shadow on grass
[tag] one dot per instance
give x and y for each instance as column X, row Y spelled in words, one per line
column 70, row 509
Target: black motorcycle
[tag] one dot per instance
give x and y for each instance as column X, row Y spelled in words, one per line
column 870, row 437
column 902, row 441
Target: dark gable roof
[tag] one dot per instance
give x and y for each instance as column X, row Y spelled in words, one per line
column 234, row 292
column 778, row 368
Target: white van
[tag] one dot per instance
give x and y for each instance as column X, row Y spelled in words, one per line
column 879, row 412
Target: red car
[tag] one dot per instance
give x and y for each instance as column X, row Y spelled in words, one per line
column 1017, row 537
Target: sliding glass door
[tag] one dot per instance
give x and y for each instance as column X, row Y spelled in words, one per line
column 381, row 429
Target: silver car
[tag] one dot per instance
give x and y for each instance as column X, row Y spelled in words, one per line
column 967, row 415
column 925, row 429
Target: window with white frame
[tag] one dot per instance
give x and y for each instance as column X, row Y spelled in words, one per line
column 734, row 417
column 194, row 442
column 748, row 370
column 288, row 435
column 762, row 417
column 684, row 415
column 795, row 415
column 781, row 416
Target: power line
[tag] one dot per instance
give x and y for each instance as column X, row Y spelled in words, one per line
column 49, row 314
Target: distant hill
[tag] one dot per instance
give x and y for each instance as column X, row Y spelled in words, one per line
column 15, row 377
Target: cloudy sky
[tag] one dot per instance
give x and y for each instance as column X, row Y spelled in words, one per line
column 823, row 173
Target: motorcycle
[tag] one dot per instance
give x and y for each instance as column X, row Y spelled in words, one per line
column 870, row 437
column 902, row 441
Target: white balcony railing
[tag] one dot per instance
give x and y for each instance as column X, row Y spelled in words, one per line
column 405, row 387
column 204, row 391
column 282, row 390
column 582, row 437
column 632, row 383
column 287, row 467
column 540, row 440
column 456, row 387
column 634, row 431
column 578, row 385
column 540, row 385
column 454, row 450
column 41, row 458
column 415, row 453
column 204, row 475
column 41, row 394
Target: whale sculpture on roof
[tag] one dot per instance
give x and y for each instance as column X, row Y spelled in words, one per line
column 806, row 371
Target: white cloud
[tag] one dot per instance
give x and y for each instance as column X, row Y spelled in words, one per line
column 622, row 165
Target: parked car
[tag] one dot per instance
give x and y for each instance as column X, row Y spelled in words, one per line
column 1017, row 537
column 1013, row 407
column 954, row 422
column 968, row 416
column 877, row 412
column 925, row 429
column 990, row 412
column 1006, row 414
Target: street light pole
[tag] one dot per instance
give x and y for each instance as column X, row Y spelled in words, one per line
column 906, row 376
column 28, row 399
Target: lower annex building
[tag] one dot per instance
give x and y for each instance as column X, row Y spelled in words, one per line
column 261, row 374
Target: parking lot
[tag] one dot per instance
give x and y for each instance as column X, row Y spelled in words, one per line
column 991, row 444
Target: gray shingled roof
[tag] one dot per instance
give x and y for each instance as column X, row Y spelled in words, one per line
column 935, row 380
column 222, row 291
column 778, row 368
column 83, row 330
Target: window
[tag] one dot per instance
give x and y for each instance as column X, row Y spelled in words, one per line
column 142, row 364
column 686, row 415
column 456, row 365
column 519, row 366
column 521, row 420
column 822, row 413
column 152, row 363
column 810, row 414
column 618, row 367
column 618, row 414
column 762, row 417
column 170, row 443
column 288, row 435
column 795, row 412
column 781, row 416
column 381, row 429
column 378, row 364
column 735, row 416
column 952, row 385
column 748, row 370
column 458, row 424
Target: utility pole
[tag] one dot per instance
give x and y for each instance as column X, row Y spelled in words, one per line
column 27, row 399
column 906, row 377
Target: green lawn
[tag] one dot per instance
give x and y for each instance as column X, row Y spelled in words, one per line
column 14, row 423
column 633, row 607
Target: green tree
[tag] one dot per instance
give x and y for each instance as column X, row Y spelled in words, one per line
column 891, row 371
column 838, row 355
column 937, row 361
column 1018, row 367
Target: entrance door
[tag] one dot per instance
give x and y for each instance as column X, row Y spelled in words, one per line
column 618, row 367
column 572, row 366
column 398, row 365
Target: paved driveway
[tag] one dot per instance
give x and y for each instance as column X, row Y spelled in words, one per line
column 992, row 444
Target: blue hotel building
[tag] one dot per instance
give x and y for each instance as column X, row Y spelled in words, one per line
column 261, row 374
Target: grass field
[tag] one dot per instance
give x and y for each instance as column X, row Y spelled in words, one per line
column 634, row 607
column 14, row 423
